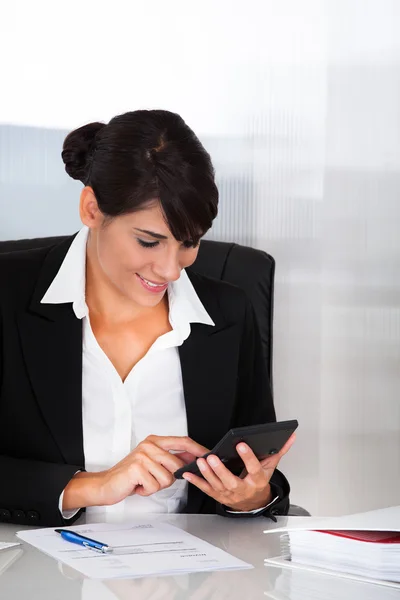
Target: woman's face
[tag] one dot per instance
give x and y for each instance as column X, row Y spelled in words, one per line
column 137, row 254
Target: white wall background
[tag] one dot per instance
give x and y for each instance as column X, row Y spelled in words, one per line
column 298, row 102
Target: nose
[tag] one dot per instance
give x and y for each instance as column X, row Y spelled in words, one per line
column 167, row 267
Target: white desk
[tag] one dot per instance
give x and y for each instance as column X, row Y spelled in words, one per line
column 35, row 576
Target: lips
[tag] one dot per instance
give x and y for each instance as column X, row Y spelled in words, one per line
column 152, row 286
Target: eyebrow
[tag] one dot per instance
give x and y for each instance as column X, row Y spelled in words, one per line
column 158, row 236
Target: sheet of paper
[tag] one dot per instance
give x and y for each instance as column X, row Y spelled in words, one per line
column 289, row 523
column 384, row 519
column 141, row 549
column 280, row 561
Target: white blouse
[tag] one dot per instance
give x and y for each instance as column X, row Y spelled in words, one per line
column 118, row 415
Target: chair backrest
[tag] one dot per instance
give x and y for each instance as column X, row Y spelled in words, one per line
column 250, row 269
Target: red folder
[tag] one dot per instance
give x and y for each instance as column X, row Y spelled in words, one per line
column 379, row 537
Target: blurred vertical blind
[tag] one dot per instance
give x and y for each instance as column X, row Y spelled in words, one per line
column 298, row 102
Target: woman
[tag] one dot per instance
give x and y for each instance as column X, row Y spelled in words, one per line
column 116, row 366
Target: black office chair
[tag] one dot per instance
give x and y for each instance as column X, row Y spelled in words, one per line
column 250, row 269
column 253, row 271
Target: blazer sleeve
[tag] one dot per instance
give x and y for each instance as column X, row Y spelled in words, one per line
column 30, row 489
column 254, row 405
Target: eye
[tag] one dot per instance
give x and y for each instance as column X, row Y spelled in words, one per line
column 147, row 244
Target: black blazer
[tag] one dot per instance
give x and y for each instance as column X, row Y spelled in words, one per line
column 41, row 440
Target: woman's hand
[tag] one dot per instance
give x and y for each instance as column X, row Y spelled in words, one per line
column 249, row 491
column 146, row 470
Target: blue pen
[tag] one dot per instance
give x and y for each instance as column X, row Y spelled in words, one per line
column 76, row 538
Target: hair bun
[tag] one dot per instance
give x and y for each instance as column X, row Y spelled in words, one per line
column 78, row 150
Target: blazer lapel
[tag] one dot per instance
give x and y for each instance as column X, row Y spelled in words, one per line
column 209, row 387
column 51, row 338
column 208, row 394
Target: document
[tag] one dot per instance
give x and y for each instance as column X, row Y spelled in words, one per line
column 140, row 549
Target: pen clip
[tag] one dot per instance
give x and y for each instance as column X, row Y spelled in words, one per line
column 103, row 550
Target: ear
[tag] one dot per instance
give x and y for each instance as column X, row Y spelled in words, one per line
column 89, row 210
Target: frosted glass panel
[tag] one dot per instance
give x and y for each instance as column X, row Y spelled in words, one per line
column 298, row 102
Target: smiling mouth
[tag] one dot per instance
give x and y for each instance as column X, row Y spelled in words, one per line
column 152, row 285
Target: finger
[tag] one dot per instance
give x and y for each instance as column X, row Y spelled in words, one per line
column 148, row 450
column 271, row 462
column 251, row 462
column 225, row 476
column 146, row 483
column 288, row 445
column 200, row 483
column 163, row 475
column 186, row 457
column 208, row 473
column 184, row 444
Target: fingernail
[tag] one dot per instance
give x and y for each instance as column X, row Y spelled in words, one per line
column 243, row 448
column 213, row 461
column 201, row 465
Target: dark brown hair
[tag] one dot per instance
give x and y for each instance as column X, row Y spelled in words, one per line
column 142, row 156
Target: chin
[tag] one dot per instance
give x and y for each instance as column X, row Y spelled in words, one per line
column 147, row 300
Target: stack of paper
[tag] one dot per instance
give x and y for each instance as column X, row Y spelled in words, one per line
column 364, row 546
column 364, row 553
